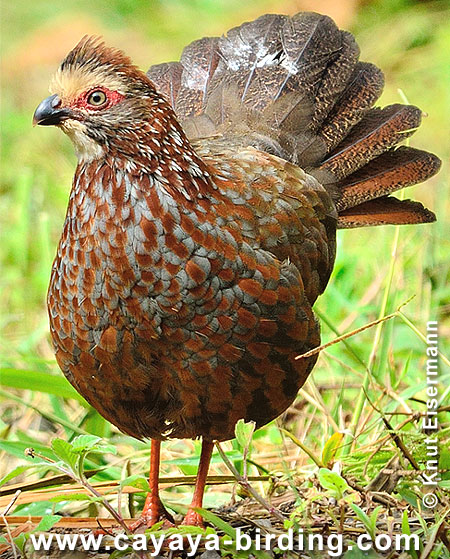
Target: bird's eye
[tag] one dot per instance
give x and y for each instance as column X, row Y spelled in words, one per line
column 97, row 98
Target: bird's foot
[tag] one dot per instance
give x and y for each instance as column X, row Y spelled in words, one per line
column 150, row 516
column 193, row 518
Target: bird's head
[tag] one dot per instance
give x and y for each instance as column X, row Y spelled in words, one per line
column 102, row 102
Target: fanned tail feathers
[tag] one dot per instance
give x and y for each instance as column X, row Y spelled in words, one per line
column 293, row 86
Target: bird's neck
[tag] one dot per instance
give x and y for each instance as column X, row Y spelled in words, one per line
column 169, row 167
column 156, row 148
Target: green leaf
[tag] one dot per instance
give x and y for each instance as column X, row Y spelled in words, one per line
column 14, row 473
column 374, row 516
column 17, row 448
column 83, row 442
column 94, row 423
column 29, row 468
column 217, row 522
column 444, row 458
column 405, row 523
column 38, row 508
column 244, row 432
column 333, row 482
column 193, row 530
column 21, row 540
column 409, row 496
column 92, row 443
column 47, row 523
column 63, row 450
column 231, row 532
column 120, row 553
column 356, row 553
column 330, row 449
column 38, row 381
column 75, row 497
column 105, row 449
column 304, row 447
column 59, row 410
column 364, row 519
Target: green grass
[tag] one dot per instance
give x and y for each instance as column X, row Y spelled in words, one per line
column 410, row 43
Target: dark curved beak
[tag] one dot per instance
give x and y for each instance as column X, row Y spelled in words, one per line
column 50, row 112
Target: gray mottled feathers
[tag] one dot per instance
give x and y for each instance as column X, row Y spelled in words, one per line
column 274, row 79
column 293, row 87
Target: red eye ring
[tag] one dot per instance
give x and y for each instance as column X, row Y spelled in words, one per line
column 97, row 98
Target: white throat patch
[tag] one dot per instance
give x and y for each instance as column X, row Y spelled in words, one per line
column 86, row 148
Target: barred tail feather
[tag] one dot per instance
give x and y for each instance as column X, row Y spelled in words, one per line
column 385, row 211
column 391, row 171
column 378, row 131
column 293, row 86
